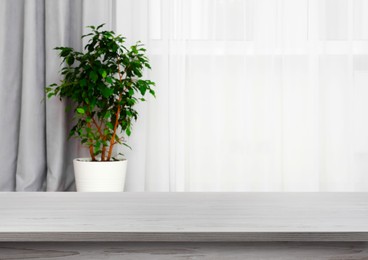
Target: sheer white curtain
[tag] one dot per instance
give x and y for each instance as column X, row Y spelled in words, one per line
column 252, row 95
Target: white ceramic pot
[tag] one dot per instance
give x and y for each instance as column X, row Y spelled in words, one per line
column 99, row 176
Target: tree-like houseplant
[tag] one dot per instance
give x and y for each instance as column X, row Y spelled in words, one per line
column 104, row 83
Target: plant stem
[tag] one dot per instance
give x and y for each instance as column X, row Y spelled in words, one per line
column 117, row 114
column 98, row 128
column 91, row 153
column 112, row 140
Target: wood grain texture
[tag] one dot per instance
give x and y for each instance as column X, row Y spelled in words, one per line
column 178, row 217
column 203, row 251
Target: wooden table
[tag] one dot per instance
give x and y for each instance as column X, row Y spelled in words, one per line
column 184, row 225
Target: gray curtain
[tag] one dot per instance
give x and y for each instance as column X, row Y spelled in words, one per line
column 35, row 154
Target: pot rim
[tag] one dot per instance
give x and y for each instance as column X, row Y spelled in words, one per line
column 89, row 160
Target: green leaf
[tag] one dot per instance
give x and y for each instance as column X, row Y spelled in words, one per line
column 98, row 143
column 86, row 35
column 93, row 101
column 80, row 110
column 65, row 51
column 83, row 82
column 103, row 73
column 134, row 49
column 143, row 89
column 125, row 144
column 131, row 92
column 107, row 115
column 128, row 131
column 130, row 101
column 109, row 80
column 70, row 60
column 98, row 27
column 89, row 134
column 109, row 125
column 107, row 92
column 93, row 75
column 137, row 72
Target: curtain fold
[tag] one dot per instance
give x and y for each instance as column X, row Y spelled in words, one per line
column 35, row 153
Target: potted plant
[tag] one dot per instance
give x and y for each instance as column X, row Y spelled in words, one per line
column 103, row 83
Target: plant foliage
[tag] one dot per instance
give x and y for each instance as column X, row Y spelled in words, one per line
column 105, row 82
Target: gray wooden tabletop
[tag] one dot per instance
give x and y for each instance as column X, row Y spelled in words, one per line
column 184, row 217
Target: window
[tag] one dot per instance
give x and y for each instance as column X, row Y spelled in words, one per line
column 253, row 95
